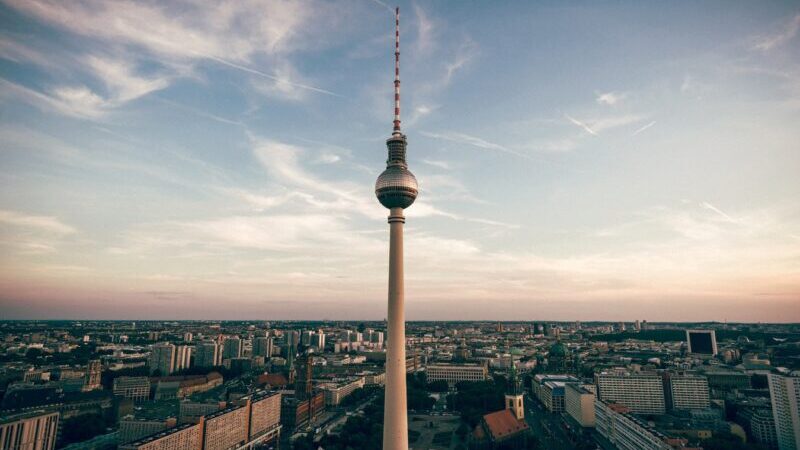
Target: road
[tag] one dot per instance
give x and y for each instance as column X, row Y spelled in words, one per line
column 546, row 426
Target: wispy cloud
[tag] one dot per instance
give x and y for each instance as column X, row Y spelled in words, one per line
column 474, row 141
column 230, row 34
column 775, row 39
column 440, row 164
column 646, row 126
column 722, row 214
column 597, row 126
column 610, row 98
column 43, row 223
column 580, row 124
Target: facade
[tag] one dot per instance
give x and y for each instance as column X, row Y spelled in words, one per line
column 134, row 388
column 94, row 371
column 624, row 431
column 226, row 429
column 579, row 404
column 642, row 392
column 262, row 346
column 232, row 348
column 162, row 359
column 265, row 414
column 191, row 412
column 183, row 358
column 549, row 390
column 454, row 373
column 785, row 396
column 30, row 431
column 131, row 429
column 686, row 391
column 336, row 392
column 246, row 426
column 207, row 354
column 182, row 437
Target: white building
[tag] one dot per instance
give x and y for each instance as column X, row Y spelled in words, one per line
column 687, row 391
column 784, row 393
column 642, row 392
column 336, row 392
column 579, row 404
column 454, row 373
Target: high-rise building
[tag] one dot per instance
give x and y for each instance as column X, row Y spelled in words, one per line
column 784, row 394
column 232, row 348
column 579, row 404
column 641, row 392
column 29, row 431
column 702, row 342
column 686, row 391
column 183, row 357
column 207, row 354
column 396, row 189
column 262, row 346
column 318, row 340
column 162, row 358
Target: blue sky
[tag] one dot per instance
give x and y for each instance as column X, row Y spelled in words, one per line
column 597, row 160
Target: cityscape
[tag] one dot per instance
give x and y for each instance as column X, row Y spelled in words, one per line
column 470, row 385
column 600, row 249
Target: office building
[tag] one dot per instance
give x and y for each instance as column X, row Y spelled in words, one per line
column 701, row 342
column 29, row 431
column 641, row 392
column 579, row 404
column 784, row 394
column 549, row 390
column 453, row 373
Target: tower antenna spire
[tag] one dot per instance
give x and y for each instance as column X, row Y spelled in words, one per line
column 397, row 72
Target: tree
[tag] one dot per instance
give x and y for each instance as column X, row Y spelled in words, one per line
column 82, row 428
column 438, row 386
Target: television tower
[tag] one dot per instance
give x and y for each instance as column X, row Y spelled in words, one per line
column 396, row 189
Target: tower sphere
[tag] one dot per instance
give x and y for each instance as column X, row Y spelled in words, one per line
column 396, row 187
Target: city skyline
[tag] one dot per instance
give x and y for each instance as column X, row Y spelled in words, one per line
column 576, row 162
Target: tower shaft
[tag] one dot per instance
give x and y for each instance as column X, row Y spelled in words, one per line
column 395, row 422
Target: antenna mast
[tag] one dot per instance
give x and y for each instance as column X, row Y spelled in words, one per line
column 396, row 130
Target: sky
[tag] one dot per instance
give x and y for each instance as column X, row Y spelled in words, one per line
column 577, row 160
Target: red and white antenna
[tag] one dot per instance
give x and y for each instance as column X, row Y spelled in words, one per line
column 397, row 72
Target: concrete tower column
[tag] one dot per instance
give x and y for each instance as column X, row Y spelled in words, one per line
column 395, row 423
